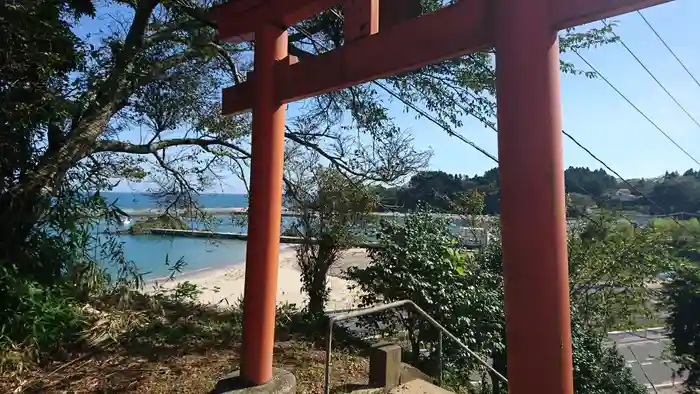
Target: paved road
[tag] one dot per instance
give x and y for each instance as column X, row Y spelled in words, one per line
column 644, row 352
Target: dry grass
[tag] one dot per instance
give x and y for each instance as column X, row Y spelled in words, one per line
column 180, row 349
column 195, row 372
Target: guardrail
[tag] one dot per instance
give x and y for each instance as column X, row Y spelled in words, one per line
column 398, row 304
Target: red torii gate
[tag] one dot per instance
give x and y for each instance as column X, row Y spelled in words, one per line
column 524, row 34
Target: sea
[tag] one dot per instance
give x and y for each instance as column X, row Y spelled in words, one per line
column 151, row 253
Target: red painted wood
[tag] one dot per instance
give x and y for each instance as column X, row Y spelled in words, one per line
column 530, row 149
column 394, row 12
column 262, row 254
column 239, row 18
column 361, row 19
column 233, row 24
column 394, row 50
column 380, row 55
column 532, row 209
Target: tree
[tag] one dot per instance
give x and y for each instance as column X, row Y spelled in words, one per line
column 611, row 266
column 140, row 102
column 158, row 69
column 599, row 369
column 583, row 181
column 420, row 261
column 683, row 322
column 334, row 211
column 676, row 194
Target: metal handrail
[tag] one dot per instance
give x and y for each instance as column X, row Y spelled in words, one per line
column 380, row 308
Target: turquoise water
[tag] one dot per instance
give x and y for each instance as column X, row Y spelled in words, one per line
column 149, row 253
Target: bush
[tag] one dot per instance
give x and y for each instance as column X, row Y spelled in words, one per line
column 419, row 260
column 597, row 369
column 41, row 319
column 683, row 302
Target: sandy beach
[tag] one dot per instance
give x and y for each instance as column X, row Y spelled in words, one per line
column 225, row 285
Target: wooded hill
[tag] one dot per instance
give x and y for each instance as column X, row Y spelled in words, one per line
column 671, row 193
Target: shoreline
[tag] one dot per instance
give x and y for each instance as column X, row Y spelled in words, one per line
column 225, row 285
column 182, row 276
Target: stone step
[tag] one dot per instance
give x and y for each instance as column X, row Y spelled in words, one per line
column 413, row 387
column 418, row 387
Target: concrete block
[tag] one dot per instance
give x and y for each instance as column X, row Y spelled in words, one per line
column 409, row 373
column 385, row 366
column 282, row 382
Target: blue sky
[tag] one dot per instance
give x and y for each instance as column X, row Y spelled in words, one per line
column 592, row 112
column 598, row 117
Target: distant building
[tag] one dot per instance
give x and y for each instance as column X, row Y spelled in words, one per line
column 624, row 195
column 473, row 237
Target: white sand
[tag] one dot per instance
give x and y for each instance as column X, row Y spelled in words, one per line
column 225, row 285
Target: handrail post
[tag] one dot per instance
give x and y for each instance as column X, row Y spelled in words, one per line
column 439, row 360
column 380, row 308
column 329, row 343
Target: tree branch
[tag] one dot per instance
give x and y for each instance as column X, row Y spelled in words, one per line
column 144, row 149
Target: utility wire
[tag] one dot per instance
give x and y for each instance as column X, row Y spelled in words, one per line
column 636, row 108
column 668, row 47
column 653, row 76
column 588, row 151
column 617, row 174
column 585, row 149
column 491, row 126
column 439, row 124
column 412, row 106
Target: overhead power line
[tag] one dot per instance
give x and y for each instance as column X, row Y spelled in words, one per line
column 413, row 106
column 668, row 47
column 654, row 77
column 438, row 123
column 656, row 126
column 491, row 126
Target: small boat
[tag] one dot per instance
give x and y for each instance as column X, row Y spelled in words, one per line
column 126, row 222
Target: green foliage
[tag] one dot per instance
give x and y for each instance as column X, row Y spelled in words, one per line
column 683, row 303
column 599, row 369
column 418, row 260
column 682, row 236
column 163, row 221
column 334, row 211
column 585, row 188
column 677, row 194
column 583, row 181
column 610, row 269
column 39, row 318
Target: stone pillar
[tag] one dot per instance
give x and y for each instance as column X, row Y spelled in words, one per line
column 385, row 366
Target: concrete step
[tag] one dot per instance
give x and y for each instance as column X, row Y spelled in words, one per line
column 413, row 387
column 418, row 387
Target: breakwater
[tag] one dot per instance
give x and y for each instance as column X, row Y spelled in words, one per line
column 144, row 213
column 285, row 239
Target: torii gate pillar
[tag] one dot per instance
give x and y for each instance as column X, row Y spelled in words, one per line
column 265, row 208
column 533, row 209
column 533, row 215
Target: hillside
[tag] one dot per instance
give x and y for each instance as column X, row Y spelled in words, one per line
column 670, row 193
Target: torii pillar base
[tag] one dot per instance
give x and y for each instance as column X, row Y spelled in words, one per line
column 282, row 382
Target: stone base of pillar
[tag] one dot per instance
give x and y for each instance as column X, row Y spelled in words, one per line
column 282, row 382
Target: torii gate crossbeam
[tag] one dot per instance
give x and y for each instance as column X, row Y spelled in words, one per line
column 533, row 214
